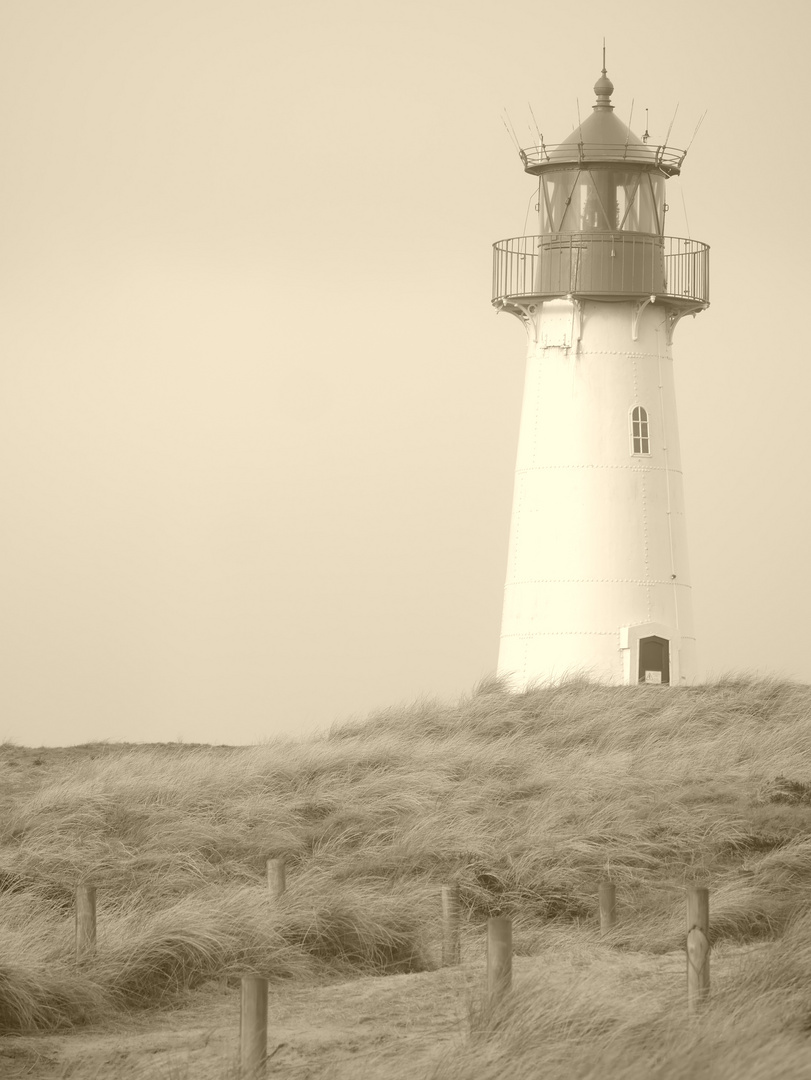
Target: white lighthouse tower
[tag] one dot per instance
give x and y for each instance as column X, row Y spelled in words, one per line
column 598, row 579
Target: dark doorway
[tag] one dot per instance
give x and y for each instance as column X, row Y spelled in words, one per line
column 654, row 660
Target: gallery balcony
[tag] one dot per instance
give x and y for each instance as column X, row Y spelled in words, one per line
column 602, row 266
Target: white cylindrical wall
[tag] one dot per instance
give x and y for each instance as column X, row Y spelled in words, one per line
column 598, row 543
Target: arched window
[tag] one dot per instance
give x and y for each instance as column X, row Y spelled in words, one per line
column 640, row 438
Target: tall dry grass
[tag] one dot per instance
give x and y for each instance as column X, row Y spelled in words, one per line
column 611, row 1019
column 526, row 800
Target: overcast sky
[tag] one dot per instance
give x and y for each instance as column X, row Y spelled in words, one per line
column 258, row 418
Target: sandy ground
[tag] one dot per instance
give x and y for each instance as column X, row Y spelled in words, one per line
column 369, row 1028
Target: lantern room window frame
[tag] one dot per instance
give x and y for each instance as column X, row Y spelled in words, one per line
column 622, row 198
column 639, row 431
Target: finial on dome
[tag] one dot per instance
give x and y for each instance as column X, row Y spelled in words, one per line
column 604, row 88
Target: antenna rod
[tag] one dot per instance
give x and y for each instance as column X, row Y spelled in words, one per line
column 671, row 123
column 630, row 118
column 603, row 55
column 511, row 135
column 698, row 125
column 537, row 125
column 518, row 145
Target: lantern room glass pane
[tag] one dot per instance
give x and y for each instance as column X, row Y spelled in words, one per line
column 599, row 199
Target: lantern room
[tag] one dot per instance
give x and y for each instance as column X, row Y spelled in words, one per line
column 601, row 220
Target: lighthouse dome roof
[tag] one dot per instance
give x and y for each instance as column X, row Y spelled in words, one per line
column 603, row 128
column 602, row 137
column 602, row 131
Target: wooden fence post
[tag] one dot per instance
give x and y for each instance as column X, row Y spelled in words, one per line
column 698, row 947
column 253, row 1027
column 499, row 956
column 451, row 944
column 85, row 922
column 608, row 906
column 277, row 879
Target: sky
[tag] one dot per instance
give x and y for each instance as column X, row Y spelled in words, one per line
column 258, row 418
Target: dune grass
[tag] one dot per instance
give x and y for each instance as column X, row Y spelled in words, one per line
column 525, row 800
column 608, row 1018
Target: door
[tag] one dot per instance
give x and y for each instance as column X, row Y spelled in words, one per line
column 654, row 660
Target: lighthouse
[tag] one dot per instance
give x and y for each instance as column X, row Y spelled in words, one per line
column 598, row 580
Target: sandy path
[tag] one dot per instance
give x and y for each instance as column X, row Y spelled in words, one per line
column 367, row 1027
column 391, row 1027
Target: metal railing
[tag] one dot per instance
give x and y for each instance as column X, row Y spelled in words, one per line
column 667, row 158
column 602, row 265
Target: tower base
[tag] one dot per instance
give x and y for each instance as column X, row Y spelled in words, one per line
column 648, row 653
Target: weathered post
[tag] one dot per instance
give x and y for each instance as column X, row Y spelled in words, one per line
column 85, row 922
column 253, row 1027
column 277, row 879
column 499, row 956
column 608, row 906
column 451, row 944
column 698, row 947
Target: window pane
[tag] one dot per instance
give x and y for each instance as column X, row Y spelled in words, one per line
column 546, row 201
column 560, row 196
column 639, row 431
column 598, row 201
column 601, row 199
